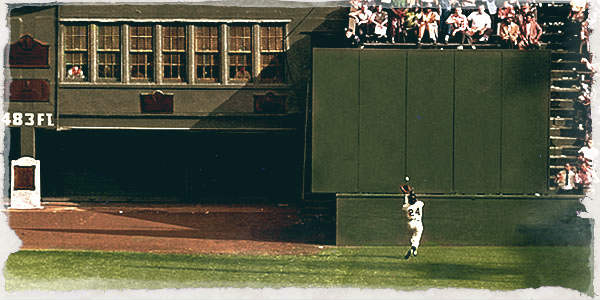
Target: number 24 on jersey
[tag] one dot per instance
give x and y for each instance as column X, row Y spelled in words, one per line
column 412, row 213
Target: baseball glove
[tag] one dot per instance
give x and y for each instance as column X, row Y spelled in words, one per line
column 405, row 188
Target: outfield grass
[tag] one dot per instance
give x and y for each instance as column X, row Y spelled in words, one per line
column 495, row 268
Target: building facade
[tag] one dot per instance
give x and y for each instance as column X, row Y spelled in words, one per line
column 177, row 101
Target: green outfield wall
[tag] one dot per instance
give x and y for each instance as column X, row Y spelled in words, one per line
column 467, row 122
column 379, row 220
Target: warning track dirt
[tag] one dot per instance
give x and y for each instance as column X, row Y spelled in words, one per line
column 162, row 228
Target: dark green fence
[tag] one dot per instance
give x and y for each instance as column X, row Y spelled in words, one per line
column 453, row 121
column 457, row 221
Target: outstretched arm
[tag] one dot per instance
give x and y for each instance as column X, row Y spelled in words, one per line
column 405, row 206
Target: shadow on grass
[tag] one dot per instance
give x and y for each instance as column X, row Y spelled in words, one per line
column 462, row 271
column 567, row 267
column 388, row 271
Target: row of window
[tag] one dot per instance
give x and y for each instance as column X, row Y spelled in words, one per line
column 104, row 44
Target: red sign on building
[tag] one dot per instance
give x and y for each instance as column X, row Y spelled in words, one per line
column 157, row 102
column 269, row 103
column 28, row 52
column 33, row 90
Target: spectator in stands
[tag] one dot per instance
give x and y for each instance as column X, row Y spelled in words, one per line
column 509, row 33
column 429, row 21
column 585, row 157
column 352, row 38
column 355, row 5
column 578, row 10
column 481, row 25
column 584, row 37
column 520, row 16
column 457, row 26
column 445, row 12
column 588, row 152
column 504, row 13
column 411, row 23
column 577, row 15
column 492, row 9
column 380, row 21
column 565, row 179
column 397, row 29
column 531, row 32
column 527, row 9
column 585, row 91
column 582, row 107
column 584, row 176
column 418, row 15
column 362, row 18
column 588, row 65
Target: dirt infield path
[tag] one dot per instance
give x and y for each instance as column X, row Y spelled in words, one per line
column 161, row 229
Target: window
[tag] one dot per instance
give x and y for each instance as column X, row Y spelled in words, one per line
column 271, row 53
column 207, row 53
column 141, row 58
column 173, row 52
column 76, row 52
column 240, row 52
column 109, row 44
column 216, row 52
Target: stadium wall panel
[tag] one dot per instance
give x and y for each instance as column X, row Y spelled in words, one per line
column 382, row 120
column 335, row 130
column 463, row 221
column 477, row 122
column 525, row 109
column 429, row 120
column 474, row 122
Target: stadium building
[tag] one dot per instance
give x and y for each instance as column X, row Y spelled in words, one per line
column 269, row 104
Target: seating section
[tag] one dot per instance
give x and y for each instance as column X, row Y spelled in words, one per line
column 564, row 32
column 571, row 80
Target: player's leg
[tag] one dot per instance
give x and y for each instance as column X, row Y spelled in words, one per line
column 411, row 231
column 416, row 237
column 407, row 255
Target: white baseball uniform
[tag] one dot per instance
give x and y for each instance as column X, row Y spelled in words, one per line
column 414, row 214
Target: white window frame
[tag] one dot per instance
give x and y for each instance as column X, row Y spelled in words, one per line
column 190, row 29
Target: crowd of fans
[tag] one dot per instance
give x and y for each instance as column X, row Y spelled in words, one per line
column 511, row 23
column 514, row 24
column 578, row 34
column 579, row 176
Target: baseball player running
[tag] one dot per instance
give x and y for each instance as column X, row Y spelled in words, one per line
column 414, row 213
